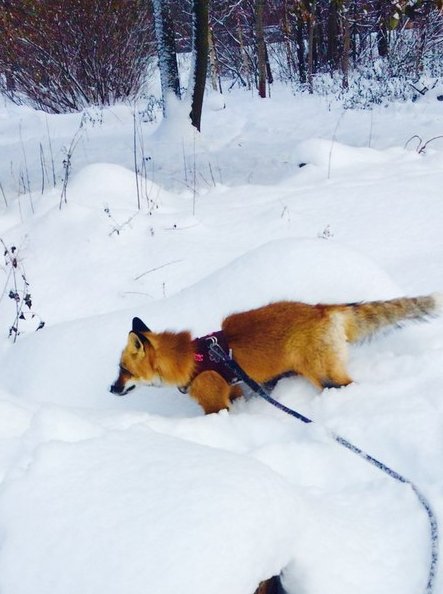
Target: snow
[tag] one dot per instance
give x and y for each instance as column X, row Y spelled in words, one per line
column 156, row 525
column 145, row 493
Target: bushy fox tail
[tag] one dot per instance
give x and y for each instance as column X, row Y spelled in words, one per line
column 364, row 319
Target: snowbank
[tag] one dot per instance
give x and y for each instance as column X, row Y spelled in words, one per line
column 144, row 493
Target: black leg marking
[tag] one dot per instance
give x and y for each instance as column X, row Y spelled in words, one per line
column 330, row 384
column 270, row 384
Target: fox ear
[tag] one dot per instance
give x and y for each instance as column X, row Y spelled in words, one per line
column 139, row 326
column 137, row 341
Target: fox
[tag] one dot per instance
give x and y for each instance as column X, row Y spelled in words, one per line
column 278, row 339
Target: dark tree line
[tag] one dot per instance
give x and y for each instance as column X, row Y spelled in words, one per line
column 64, row 55
column 308, row 37
column 251, row 42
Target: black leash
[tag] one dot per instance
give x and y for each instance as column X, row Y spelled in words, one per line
column 258, row 389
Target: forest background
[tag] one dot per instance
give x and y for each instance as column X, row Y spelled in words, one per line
column 63, row 56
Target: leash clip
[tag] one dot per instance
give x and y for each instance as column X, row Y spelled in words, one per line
column 216, row 353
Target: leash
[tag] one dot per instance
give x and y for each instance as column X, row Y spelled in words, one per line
column 258, row 389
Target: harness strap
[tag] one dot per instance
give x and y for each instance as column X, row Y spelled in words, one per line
column 258, row 389
column 206, row 360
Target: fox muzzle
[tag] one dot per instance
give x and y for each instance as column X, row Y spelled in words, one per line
column 120, row 390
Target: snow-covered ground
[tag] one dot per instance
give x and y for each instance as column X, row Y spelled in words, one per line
column 290, row 197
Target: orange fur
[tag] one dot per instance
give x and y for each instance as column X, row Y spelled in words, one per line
column 288, row 336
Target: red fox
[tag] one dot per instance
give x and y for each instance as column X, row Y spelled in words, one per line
column 268, row 342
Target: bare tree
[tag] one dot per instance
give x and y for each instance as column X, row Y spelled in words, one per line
column 312, row 22
column 333, row 33
column 213, row 63
column 167, row 57
column 346, row 51
column 261, row 47
column 200, row 46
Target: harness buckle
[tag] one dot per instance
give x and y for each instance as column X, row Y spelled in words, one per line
column 216, row 353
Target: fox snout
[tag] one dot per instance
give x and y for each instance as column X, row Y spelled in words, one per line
column 119, row 388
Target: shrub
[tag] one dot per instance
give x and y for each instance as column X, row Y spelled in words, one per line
column 63, row 55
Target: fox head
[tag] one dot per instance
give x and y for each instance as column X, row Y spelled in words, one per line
column 137, row 362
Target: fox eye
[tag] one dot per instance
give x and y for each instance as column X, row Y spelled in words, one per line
column 125, row 371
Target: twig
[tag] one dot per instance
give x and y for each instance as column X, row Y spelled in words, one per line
column 212, row 173
column 194, row 179
column 204, row 179
column 54, row 181
column 27, row 186
column 67, row 162
column 157, row 268
column 21, row 296
column 423, row 148
column 422, row 92
column 118, row 226
column 134, row 149
column 412, row 138
column 43, row 167
column 3, row 194
column 185, row 165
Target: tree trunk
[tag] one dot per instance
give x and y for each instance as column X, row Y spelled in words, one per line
column 269, row 76
column 213, row 67
column 382, row 30
column 311, row 47
column 200, row 48
column 261, row 49
column 333, row 41
column 301, row 52
column 346, row 43
column 320, row 45
column 354, row 33
column 286, row 26
column 245, row 68
column 167, row 57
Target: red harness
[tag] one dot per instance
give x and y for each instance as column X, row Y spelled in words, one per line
column 207, row 360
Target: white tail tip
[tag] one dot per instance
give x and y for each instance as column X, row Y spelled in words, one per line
column 438, row 300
